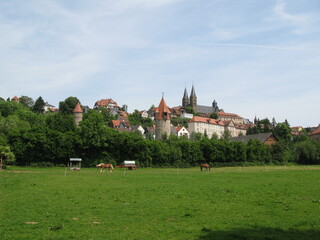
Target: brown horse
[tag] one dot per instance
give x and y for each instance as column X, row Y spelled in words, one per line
column 206, row 166
column 103, row 166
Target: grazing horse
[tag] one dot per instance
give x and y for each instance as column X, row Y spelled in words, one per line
column 103, row 166
column 206, row 166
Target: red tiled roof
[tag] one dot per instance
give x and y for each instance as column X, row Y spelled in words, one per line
column 178, row 128
column 105, row 102
column 207, row 120
column 162, row 108
column 77, row 108
column 316, row 131
column 227, row 115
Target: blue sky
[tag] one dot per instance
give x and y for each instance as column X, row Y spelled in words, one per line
column 254, row 57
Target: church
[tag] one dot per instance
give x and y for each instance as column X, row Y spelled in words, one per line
column 192, row 102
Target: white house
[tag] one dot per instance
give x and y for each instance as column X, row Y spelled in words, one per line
column 182, row 131
column 187, row 115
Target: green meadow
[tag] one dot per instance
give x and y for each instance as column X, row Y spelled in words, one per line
column 154, row 203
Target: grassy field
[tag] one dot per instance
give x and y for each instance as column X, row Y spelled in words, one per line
column 226, row 203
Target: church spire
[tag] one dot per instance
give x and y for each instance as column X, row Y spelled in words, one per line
column 193, row 92
column 193, row 99
column 185, row 99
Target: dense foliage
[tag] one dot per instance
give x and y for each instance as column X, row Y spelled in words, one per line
column 35, row 138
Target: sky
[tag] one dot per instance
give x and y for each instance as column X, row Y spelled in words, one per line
column 254, row 57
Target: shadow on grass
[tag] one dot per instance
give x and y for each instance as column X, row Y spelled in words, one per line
column 260, row 233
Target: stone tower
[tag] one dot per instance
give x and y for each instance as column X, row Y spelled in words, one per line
column 193, row 99
column 163, row 120
column 77, row 114
column 185, row 99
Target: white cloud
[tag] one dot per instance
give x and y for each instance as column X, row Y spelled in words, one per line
column 302, row 23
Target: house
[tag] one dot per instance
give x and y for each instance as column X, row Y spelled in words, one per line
column 109, row 104
column 138, row 128
column 121, row 123
column 315, row 134
column 266, row 138
column 187, row 115
column 151, row 131
column 143, row 114
column 216, row 127
column 15, row 99
column 230, row 116
column 49, row 108
column 151, row 113
column 180, row 131
column 177, row 111
column 296, row 130
column 85, row 109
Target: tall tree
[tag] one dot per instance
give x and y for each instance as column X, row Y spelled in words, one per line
column 68, row 105
column 283, row 132
column 39, row 106
column 26, row 101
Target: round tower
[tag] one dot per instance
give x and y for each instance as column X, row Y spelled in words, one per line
column 77, row 114
column 163, row 120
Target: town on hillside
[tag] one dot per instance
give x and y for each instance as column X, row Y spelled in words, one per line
column 187, row 119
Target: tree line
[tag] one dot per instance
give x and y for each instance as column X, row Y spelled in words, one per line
column 30, row 137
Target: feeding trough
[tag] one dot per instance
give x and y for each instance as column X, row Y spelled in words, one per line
column 75, row 164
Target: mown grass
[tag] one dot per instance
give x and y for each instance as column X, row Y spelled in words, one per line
column 226, row 203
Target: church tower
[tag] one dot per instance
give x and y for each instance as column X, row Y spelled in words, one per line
column 185, row 99
column 193, row 99
column 163, row 120
column 77, row 114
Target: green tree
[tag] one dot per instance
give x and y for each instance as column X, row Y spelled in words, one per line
column 60, row 122
column 226, row 135
column 282, row 132
column 135, row 118
column 214, row 115
column 9, row 108
column 307, row 152
column 26, row 101
column 39, row 106
column 190, row 110
column 6, row 156
column 68, row 105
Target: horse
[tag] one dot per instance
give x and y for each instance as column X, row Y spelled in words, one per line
column 103, row 166
column 206, row 166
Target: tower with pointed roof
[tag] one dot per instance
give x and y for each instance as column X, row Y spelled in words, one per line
column 193, row 99
column 77, row 114
column 163, row 120
column 185, row 99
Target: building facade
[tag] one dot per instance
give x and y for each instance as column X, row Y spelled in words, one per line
column 216, row 127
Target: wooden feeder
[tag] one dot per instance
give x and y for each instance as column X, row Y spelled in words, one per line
column 75, row 164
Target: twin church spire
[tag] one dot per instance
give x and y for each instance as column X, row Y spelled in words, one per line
column 190, row 102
